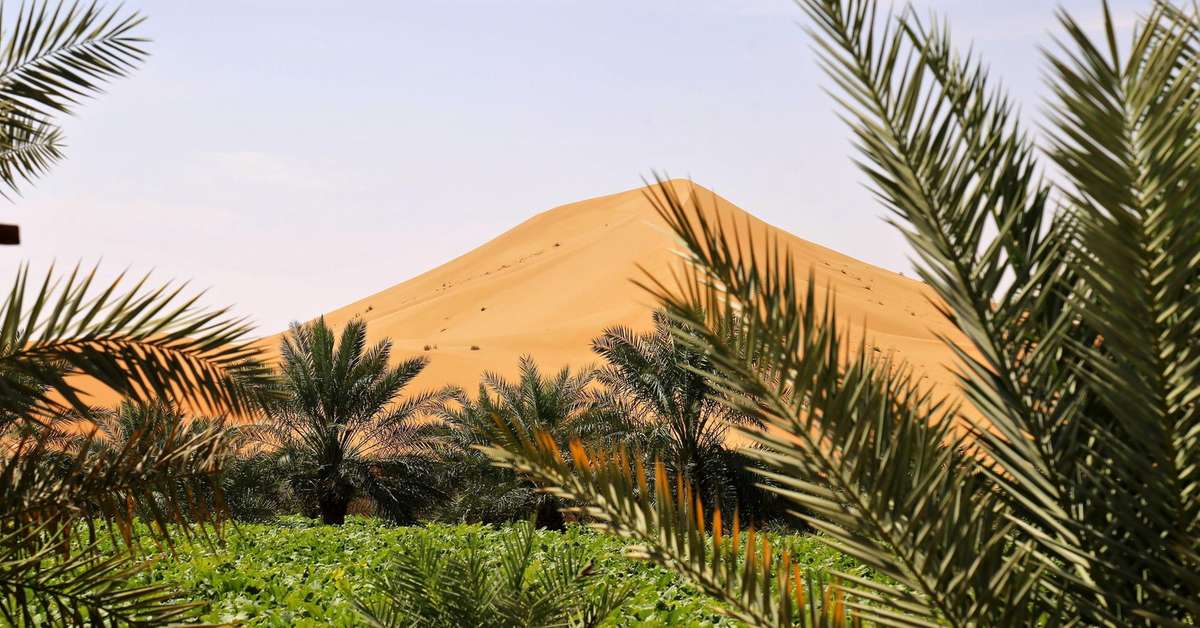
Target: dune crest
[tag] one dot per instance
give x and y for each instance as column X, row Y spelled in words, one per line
column 552, row 283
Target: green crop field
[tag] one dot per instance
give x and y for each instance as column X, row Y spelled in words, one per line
column 297, row 573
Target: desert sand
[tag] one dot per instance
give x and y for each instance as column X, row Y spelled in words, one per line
column 549, row 285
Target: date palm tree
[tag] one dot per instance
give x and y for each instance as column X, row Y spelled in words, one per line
column 1061, row 482
column 343, row 425
column 664, row 384
column 558, row 404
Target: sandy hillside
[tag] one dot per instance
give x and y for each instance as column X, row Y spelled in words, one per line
column 552, row 283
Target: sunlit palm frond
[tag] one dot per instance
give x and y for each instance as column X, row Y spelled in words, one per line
column 871, row 454
column 55, row 54
column 946, row 154
column 142, row 343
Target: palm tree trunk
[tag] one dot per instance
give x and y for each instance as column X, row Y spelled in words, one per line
column 334, row 500
column 549, row 517
column 333, row 511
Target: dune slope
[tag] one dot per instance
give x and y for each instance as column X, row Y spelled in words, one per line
column 551, row 284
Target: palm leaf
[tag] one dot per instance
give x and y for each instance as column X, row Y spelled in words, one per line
column 39, row 587
column 52, row 55
column 1125, row 133
column 57, row 53
column 142, row 343
column 27, row 148
column 669, row 526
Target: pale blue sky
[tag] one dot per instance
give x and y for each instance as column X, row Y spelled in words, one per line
column 293, row 156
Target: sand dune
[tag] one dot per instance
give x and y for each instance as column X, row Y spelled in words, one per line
column 551, row 284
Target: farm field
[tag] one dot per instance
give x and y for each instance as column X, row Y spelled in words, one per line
column 296, row 572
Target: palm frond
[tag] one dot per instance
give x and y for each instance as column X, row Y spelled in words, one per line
column 27, row 148
column 40, row 587
column 55, row 54
column 142, row 343
column 1125, row 132
column 946, row 154
column 52, row 55
column 669, row 525
column 878, row 461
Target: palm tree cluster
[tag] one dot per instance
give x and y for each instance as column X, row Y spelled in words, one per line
column 653, row 395
column 342, row 428
column 559, row 405
column 1061, row 483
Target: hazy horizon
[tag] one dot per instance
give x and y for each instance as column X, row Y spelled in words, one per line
column 294, row 157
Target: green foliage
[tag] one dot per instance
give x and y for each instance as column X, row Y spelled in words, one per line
column 294, row 572
column 340, row 424
column 505, row 586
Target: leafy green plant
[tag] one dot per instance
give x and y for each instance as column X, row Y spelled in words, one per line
column 295, row 571
column 341, row 426
column 1068, row 490
column 482, row 585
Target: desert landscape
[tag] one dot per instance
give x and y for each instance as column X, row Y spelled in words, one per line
column 979, row 405
column 551, row 284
